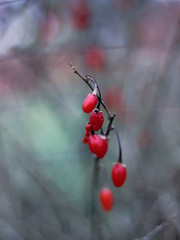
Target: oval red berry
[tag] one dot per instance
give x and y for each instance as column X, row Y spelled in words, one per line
column 98, row 145
column 81, row 15
column 118, row 174
column 96, row 119
column 95, row 58
column 95, row 144
column 104, row 148
column 89, row 103
column 106, row 199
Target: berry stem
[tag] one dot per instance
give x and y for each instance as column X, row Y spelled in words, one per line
column 119, row 144
column 111, row 118
column 96, row 84
column 94, row 193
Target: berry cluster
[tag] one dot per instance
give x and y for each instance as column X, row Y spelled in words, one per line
column 98, row 143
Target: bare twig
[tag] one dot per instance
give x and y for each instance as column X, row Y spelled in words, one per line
column 111, row 118
column 119, row 144
column 94, row 193
column 157, row 229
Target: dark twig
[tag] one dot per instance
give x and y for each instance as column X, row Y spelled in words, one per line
column 94, row 193
column 119, row 144
column 111, row 118
column 94, row 81
column 83, row 78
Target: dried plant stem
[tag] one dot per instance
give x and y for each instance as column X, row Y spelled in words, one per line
column 94, row 194
column 119, row 144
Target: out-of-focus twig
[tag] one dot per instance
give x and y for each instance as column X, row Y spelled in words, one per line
column 94, row 192
column 48, row 53
column 11, row 2
column 157, row 229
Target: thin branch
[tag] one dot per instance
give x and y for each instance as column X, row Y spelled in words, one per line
column 157, row 229
column 94, row 192
column 83, row 78
column 111, row 118
column 119, row 144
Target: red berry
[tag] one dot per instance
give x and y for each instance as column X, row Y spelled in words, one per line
column 89, row 103
column 106, row 199
column 105, row 147
column 118, row 174
column 96, row 118
column 101, row 155
column 86, row 137
column 98, row 145
column 94, row 58
column 81, row 15
column 88, row 127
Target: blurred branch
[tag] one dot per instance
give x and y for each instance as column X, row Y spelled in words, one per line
column 10, row 2
column 45, row 52
column 10, row 229
column 94, row 192
column 157, row 229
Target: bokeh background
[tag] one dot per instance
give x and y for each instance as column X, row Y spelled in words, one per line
column 132, row 48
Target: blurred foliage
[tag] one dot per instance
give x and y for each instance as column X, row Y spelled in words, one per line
column 131, row 47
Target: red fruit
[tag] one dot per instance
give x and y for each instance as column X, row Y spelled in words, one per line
column 98, row 145
column 101, row 155
column 105, row 147
column 118, row 174
column 88, row 127
column 106, row 199
column 96, row 119
column 94, row 58
column 89, row 103
column 81, row 15
column 86, row 137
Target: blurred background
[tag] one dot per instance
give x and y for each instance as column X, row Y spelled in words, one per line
column 132, row 48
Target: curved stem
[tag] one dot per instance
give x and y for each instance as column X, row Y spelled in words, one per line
column 99, row 97
column 106, row 109
column 86, row 79
column 119, row 144
column 95, row 83
column 96, row 86
column 111, row 118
